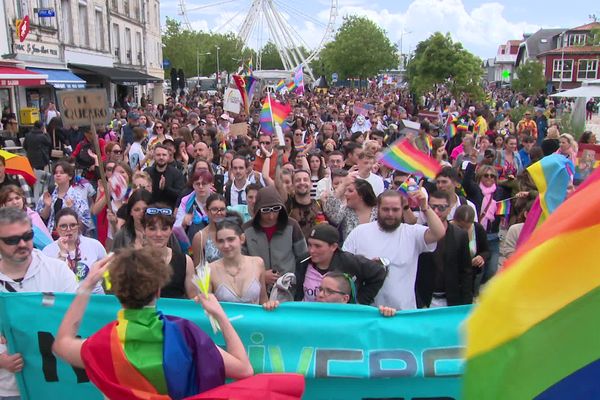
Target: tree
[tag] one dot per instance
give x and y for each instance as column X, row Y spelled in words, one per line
column 186, row 49
column 360, row 49
column 270, row 58
column 440, row 61
column 530, row 78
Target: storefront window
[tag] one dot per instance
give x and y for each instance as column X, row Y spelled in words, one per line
column 5, row 99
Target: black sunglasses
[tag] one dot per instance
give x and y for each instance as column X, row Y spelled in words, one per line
column 15, row 240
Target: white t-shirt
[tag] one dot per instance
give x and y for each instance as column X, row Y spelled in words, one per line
column 136, row 155
column 402, row 248
column 44, row 274
column 90, row 251
column 376, row 183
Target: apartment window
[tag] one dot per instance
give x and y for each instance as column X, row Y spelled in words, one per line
column 48, row 22
column 66, row 21
column 138, row 44
column 565, row 69
column 128, row 55
column 126, row 8
column 84, row 33
column 137, row 11
column 99, row 22
column 116, row 39
column 577, row 39
column 587, row 69
column 115, row 5
column 157, row 15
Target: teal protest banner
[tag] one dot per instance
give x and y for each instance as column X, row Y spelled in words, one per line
column 345, row 351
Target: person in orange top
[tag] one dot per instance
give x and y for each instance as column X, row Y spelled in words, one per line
column 527, row 124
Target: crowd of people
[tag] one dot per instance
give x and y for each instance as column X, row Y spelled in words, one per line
column 316, row 217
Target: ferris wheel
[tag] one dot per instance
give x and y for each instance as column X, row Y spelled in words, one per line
column 268, row 20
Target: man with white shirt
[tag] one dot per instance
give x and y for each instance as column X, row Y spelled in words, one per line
column 24, row 269
column 398, row 245
column 235, row 188
column 365, row 165
column 335, row 160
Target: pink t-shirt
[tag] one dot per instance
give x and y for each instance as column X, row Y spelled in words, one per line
column 312, row 280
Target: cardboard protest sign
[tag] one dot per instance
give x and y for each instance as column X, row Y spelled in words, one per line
column 241, row 128
column 83, row 107
column 232, row 100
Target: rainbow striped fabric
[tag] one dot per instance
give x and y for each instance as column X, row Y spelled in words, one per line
column 246, row 85
column 273, row 113
column 280, row 86
column 534, row 334
column 503, row 208
column 299, row 79
column 147, row 355
column 451, row 127
column 552, row 175
column 403, row 156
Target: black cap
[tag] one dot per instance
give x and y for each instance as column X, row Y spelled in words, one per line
column 326, row 233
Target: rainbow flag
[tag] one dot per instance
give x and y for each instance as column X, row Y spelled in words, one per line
column 534, row 334
column 403, row 156
column 503, row 208
column 291, row 86
column 450, row 127
column 273, row 113
column 280, row 86
column 462, row 127
column 246, row 85
column 145, row 354
column 429, row 143
column 299, row 79
column 250, row 66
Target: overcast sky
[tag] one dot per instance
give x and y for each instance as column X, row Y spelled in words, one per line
column 479, row 25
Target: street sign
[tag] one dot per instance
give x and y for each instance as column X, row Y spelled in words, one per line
column 46, row 12
column 166, row 63
column 334, row 77
column 506, row 74
column 23, row 28
column 83, row 107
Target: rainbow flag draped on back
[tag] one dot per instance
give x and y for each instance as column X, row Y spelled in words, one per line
column 403, row 156
column 246, row 85
column 534, row 335
column 272, row 113
column 148, row 355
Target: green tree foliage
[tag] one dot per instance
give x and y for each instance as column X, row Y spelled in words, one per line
column 440, row 61
column 181, row 47
column 270, row 57
column 360, row 49
column 530, row 78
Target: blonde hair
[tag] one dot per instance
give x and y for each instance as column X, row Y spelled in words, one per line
column 485, row 169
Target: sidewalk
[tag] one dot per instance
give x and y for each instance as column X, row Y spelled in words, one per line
column 594, row 125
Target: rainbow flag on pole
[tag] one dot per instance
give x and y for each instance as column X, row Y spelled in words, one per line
column 503, row 208
column 450, row 127
column 403, row 156
column 299, row 79
column 280, row 86
column 535, row 332
column 246, row 85
column 272, row 113
column 148, row 355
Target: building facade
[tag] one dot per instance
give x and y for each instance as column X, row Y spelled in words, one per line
column 75, row 44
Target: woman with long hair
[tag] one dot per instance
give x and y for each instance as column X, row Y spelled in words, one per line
column 64, row 195
column 14, row 196
column 508, row 163
column 567, row 146
column 317, row 172
column 132, row 232
column 236, row 277
column 354, row 203
column 190, row 364
column 159, row 134
column 192, row 215
column 114, row 152
column 158, row 222
column 77, row 251
column 204, row 248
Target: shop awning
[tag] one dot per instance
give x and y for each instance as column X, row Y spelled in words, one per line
column 13, row 76
column 61, row 78
column 120, row 76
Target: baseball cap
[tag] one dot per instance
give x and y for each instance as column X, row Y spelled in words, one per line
column 326, row 233
column 133, row 115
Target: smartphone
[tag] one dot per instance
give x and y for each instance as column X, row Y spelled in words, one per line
column 219, row 182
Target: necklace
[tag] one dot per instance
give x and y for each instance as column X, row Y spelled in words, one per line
column 232, row 271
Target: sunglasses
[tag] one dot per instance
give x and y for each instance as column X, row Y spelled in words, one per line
column 117, row 151
column 15, row 240
column 488, row 176
column 265, row 143
column 439, row 207
column 218, row 210
column 273, row 209
column 156, row 211
column 160, row 127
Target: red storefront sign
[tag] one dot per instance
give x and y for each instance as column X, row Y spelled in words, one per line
column 12, row 76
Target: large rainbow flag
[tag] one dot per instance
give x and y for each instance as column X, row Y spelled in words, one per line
column 148, row 355
column 403, row 156
column 246, row 85
column 272, row 113
column 535, row 333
